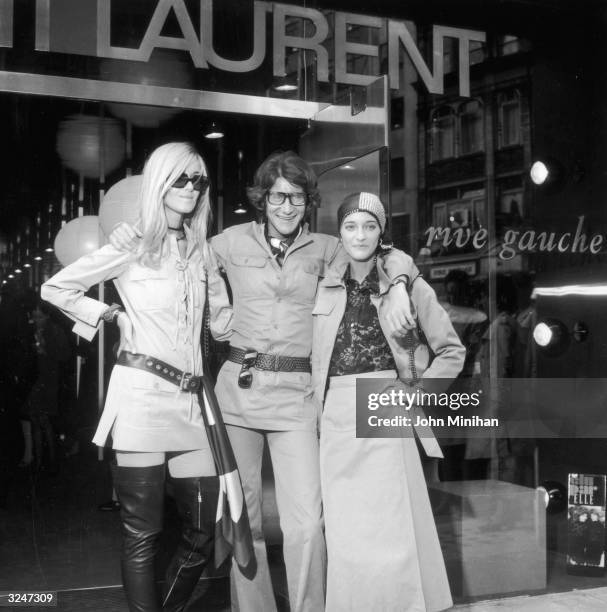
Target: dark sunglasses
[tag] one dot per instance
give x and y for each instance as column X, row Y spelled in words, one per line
column 200, row 182
column 245, row 376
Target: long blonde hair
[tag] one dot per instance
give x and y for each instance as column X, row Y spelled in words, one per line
column 167, row 163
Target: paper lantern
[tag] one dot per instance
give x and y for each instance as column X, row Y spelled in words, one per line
column 79, row 144
column 77, row 238
column 120, row 203
column 164, row 69
column 142, row 115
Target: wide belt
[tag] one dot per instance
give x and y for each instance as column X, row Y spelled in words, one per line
column 273, row 363
column 184, row 380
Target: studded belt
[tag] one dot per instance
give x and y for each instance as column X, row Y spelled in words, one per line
column 184, row 380
column 274, row 363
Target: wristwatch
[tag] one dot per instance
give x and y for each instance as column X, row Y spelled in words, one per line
column 111, row 314
column 401, row 279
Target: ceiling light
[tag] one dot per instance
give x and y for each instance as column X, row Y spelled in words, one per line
column 214, row 131
column 285, row 83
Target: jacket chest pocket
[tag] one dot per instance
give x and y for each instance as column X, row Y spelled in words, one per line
column 247, row 272
column 151, row 289
column 303, row 277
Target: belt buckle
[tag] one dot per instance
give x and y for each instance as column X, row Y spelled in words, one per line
column 184, row 383
column 245, row 376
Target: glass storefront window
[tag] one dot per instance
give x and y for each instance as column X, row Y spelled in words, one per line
column 442, row 133
column 509, row 118
column 506, row 257
column 508, row 45
column 471, row 127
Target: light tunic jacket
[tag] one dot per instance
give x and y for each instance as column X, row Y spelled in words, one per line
column 273, row 314
column 444, row 360
column 165, row 306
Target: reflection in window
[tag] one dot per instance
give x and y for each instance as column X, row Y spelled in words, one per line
column 509, row 45
column 509, row 118
column 449, row 55
column 362, row 63
column 456, row 220
column 471, row 127
column 477, row 52
column 510, row 210
column 397, row 113
column 397, row 172
column 442, row 133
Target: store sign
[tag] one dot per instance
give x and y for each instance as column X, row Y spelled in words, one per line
column 519, row 241
column 84, row 27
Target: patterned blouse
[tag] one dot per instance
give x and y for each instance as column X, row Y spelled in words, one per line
column 360, row 345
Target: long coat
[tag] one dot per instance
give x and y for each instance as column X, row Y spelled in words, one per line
column 383, row 548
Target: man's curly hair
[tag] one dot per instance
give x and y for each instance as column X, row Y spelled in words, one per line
column 291, row 167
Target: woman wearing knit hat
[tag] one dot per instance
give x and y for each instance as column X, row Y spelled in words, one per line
column 383, row 549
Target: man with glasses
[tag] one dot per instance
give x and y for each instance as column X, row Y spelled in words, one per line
column 273, row 267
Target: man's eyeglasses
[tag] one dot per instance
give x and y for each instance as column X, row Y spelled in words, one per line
column 200, row 182
column 278, row 198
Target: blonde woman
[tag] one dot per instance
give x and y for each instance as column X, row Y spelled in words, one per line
column 151, row 409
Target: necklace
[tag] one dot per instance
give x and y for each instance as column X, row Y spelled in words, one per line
column 180, row 235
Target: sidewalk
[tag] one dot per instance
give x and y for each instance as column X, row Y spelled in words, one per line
column 592, row 600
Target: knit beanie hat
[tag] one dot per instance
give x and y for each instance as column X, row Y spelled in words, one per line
column 362, row 202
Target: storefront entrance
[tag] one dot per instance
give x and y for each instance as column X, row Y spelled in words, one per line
column 444, row 122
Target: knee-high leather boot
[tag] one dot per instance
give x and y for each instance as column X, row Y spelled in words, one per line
column 141, row 494
column 197, row 506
